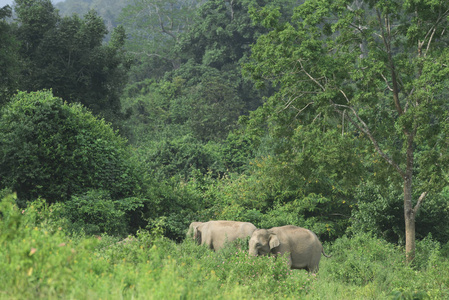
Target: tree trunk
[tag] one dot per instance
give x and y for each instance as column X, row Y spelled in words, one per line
column 409, row 216
column 409, row 211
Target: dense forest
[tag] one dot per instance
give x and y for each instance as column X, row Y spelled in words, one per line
column 121, row 122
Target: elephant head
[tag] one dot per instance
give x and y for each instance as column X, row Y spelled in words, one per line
column 262, row 242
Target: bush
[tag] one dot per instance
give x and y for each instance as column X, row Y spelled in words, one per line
column 181, row 157
column 425, row 250
column 95, row 213
column 363, row 259
column 260, row 276
column 55, row 150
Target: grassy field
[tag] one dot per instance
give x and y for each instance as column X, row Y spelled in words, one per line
column 38, row 260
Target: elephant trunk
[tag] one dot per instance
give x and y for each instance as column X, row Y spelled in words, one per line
column 197, row 237
column 253, row 251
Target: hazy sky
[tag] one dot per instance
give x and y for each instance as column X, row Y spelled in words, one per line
column 6, row 2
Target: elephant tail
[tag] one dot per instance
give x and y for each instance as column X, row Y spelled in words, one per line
column 328, row 256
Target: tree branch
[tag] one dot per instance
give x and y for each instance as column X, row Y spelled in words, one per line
column 432, row 31
column 361, row 125
column 386, row 82
column 311, row 77
column 418, row 204
column 302, row 109
column 344, row 95
column 386, row 39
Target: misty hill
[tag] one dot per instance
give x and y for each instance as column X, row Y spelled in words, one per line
column 109, row 10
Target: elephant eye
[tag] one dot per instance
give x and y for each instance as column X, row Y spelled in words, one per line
column 258, row 245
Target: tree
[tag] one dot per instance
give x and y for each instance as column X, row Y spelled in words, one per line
column 155, row 27
column 68, row 55
column 109, row 10
column 220, row 39
column 35, row 18
column 209, row 101
column 9, row 60
column 52, row 149
column 378, row 66
column 222, row 33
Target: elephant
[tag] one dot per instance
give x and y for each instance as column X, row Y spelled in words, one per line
column 301, row 245
column 215, row 234
column 192, row 227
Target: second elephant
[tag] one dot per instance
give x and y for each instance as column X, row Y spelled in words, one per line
column 215, row 234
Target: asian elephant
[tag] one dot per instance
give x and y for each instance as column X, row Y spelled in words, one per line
column 215, row 234
column 302, row 245
column 192, row 227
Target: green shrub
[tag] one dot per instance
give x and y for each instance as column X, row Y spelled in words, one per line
column 259, row 275
column 425, row 250
column 37, row 260
column 13, row 219
column 181, row 156
column 403, row 295
column 96, row 213
column 364, row 262
column 54, row 150
column 363, row 259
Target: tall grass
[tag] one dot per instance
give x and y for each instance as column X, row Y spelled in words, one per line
column 38, row 260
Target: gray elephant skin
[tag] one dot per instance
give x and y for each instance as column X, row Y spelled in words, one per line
column 192, row 227
column 302, row 245
column 215, row 234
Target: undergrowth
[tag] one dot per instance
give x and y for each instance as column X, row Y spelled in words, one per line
column 39, row 260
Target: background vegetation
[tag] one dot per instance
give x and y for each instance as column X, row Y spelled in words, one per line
column 136, row 118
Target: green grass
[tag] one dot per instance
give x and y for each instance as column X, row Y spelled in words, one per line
column 38, row 260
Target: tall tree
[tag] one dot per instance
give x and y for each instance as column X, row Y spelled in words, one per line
column 68, row 55
column 109, row 10
column 9, row 60
column 220, row 39
column 155, row 26
column 379, row 66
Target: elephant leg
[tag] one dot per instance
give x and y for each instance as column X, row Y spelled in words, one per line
column 289, row 261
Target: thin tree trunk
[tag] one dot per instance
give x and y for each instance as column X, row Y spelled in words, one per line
column 409, row 216
column 409, row 212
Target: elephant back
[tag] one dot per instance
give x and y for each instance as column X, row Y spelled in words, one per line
column 216, row 233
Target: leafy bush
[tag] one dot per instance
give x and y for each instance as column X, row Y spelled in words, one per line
column 262, row 275
column 181, row 156
column 433, row 215
column 55, row 150
column 377, row 211
column 232, row 267
column 96, row 213
column 375, row 264
column 363, row 259
column 426, row 249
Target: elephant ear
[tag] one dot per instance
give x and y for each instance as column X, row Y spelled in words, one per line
column 274, row 241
